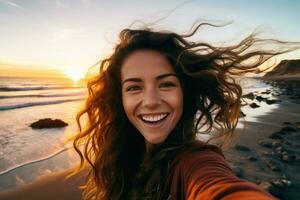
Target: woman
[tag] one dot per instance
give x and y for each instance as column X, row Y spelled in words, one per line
column 145, row 108
column 152, row 97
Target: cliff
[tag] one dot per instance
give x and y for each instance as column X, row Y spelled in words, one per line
column 286, row 68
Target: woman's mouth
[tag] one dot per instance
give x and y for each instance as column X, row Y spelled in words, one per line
column 153, row 118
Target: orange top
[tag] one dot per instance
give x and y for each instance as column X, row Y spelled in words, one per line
column 202, row 173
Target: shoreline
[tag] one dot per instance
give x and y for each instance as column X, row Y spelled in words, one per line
column 254, row 156
column 268, row 151
column 35, row 161
column 29, row 172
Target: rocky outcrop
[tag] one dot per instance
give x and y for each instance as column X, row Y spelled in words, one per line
column 48, row 123
column 286, row 68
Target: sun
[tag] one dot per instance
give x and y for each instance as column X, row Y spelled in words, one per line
column 75, row 75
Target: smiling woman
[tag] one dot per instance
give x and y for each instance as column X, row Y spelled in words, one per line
column 144, row 110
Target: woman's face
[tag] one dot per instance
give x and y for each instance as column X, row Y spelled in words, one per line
column 151, row 95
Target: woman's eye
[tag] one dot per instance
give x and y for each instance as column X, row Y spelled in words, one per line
column 167, row 84
column 133, row 88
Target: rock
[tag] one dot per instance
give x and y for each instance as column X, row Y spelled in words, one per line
column 276, row 144
column 254, row 105
column 286, row 182
column 283, row 132
column 273, row 166
column 288, row 129
column 249, row 96
column 276, row 135
column 265, row 185
column 297, row 124
column 260, row 98
column 241, row 147
column 242, row 114
column 288, row 157
column 278, row 183
column 252, row 158
column 287, row 123
column 279, row 149
column 265, row 144
column 270, row 101
column 266, row 92
column 48, row 123
column 266, row 153
column 239, row 172
column 271, row 188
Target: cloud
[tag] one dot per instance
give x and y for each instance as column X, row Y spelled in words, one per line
column 10, row 3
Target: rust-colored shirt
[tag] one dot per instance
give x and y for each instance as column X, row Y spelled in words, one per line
column 202, row 173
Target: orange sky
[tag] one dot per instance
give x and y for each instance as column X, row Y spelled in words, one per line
column 58, row 38
column 27, row 70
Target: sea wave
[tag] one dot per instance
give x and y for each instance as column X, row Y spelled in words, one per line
column 12, row 89
column 35, row 161
column 24, row 105
column 41, row 95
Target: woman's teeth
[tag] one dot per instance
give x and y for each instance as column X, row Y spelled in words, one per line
column 154, row 118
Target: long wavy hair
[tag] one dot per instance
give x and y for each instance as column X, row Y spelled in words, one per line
column 115, row 150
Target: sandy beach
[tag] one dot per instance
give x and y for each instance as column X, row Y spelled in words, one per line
column 266, row 151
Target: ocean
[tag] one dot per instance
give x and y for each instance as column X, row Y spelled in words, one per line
column 26, row 100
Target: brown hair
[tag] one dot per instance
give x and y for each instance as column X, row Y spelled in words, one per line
column 112, row 145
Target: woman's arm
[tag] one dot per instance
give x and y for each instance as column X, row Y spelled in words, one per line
column 205, row 175
column 53, row 186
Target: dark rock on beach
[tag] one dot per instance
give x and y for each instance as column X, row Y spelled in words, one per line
column 237, row 170
column 274, row 165
column 271, row 101
column 241, row 147
column 265, row 144
column 48, row 123
column 260, row 98
column 249, row 96
column 254, row 105
column 288, row 129
column 242, row 114
column 276, row 135
column 252, row 158
column 276, row 187
column 288, row 157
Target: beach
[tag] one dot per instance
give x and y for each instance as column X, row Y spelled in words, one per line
column 265, row 151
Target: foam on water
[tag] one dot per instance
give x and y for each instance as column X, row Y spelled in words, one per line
column 26, row 100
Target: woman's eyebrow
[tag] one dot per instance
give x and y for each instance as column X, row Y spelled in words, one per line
column 165, row 75
column 132, row 80
column 159, row 77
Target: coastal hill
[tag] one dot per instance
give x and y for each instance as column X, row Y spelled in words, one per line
column 285, row 68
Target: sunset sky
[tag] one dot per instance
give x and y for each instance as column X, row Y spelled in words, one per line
column 55, row 37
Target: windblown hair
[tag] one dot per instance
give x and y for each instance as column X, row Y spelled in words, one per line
column 113, row 147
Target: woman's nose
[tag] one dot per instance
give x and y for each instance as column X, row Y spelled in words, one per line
column 151, row 98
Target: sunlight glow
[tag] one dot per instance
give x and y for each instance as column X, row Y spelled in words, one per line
column 75, row 74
